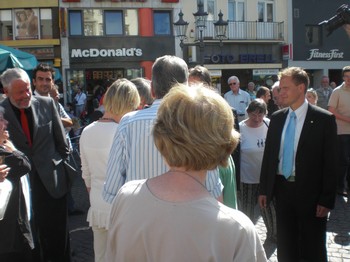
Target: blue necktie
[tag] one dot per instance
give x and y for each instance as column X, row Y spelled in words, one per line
column 288, row 147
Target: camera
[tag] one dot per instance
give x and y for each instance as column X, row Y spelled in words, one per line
column 341, row 18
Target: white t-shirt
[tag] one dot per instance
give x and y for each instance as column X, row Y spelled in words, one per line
column 252, row 151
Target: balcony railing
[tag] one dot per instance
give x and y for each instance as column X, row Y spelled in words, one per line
column 273, row 31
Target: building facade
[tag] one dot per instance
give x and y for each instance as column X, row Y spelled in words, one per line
column 252, row 49
column 31, row 26
column 320, row 49
column 106, row 40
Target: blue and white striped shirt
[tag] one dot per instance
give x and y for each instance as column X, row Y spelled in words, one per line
column 134, row 155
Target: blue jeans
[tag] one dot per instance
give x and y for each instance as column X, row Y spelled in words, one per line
column 344, row 163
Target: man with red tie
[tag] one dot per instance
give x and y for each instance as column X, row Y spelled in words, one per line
column 35, row 128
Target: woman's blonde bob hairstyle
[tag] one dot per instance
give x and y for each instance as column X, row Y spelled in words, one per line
column 194, row 128
column 121, row 97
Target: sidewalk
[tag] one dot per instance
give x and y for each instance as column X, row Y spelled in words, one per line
column 338, row 238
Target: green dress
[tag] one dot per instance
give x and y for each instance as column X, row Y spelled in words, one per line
column 228, row 179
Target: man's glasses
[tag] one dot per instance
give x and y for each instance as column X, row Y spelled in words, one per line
column 230, row 84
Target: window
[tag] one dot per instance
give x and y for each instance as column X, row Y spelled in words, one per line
column 265, row 11
column 162, row 23
column 26, row 23
column 236, row 10
column 99, row 22
column 46, row 23
column 6, row 32
column 114, row 22
column 210, row 8
column 93, row 25
column 75, row 23
column 131, row 22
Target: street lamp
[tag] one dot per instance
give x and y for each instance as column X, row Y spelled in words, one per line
column 221, row 28
column 200, row 22
column 181, row 28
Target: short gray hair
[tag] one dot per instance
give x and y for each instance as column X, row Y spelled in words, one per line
column 232, row 78
column 13, row 74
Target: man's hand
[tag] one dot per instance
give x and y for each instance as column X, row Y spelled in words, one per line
column 4, row 171
column 322, row 211
column 262, row 201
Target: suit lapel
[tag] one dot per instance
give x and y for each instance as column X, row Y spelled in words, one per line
column 35, row 109
column 306, row 127
column 11, row 115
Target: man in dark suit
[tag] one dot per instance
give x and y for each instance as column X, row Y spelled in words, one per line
column 305, row 197
column 36, row 130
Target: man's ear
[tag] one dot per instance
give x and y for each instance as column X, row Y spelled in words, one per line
column 6, row 91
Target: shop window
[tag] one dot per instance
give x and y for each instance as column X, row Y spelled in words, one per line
column 114, row 22
column 93, row 22
column 131, row 22
column 46, row 23
column 162, row 23
column 134, row 73
column 6, row 32
column 75, row 23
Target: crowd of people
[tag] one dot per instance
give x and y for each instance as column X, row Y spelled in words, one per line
column 174, row 169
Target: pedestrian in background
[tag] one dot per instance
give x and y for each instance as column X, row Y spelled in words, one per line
column 201, row 75
column 237, row 98
column 311, row 96
column 324, row 93
column 95, row 145
column 339, row 105
column 252, row 143
column 144, row 88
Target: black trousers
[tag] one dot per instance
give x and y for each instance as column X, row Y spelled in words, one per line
column 50, row 224
column 301, row 236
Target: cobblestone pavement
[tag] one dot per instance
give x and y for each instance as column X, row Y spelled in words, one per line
column 338, row 239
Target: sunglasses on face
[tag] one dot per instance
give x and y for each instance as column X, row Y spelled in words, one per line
column 230, row 84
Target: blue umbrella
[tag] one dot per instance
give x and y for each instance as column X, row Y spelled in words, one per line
column 8, row 60
column 25, row 60
column 28, row 61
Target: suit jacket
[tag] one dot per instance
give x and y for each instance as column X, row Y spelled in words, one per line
column 15, row 226
column 315, row 161
column 49, row 145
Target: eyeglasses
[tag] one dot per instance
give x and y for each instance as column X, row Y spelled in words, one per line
column 230, row 84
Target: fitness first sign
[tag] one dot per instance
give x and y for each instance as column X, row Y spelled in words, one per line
column 95, row 52
column 333, row 54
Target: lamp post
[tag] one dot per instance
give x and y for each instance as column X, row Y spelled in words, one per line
column 220, row 29
column 200, row 22
column 181, row 29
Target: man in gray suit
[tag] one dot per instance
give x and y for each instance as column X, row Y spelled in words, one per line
column 35, row 128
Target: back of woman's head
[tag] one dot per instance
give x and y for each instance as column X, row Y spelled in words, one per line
column 194, row 128
column 121, row 97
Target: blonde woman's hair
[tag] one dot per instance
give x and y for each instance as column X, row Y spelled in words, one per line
column 194, row 128
column 121, row 97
